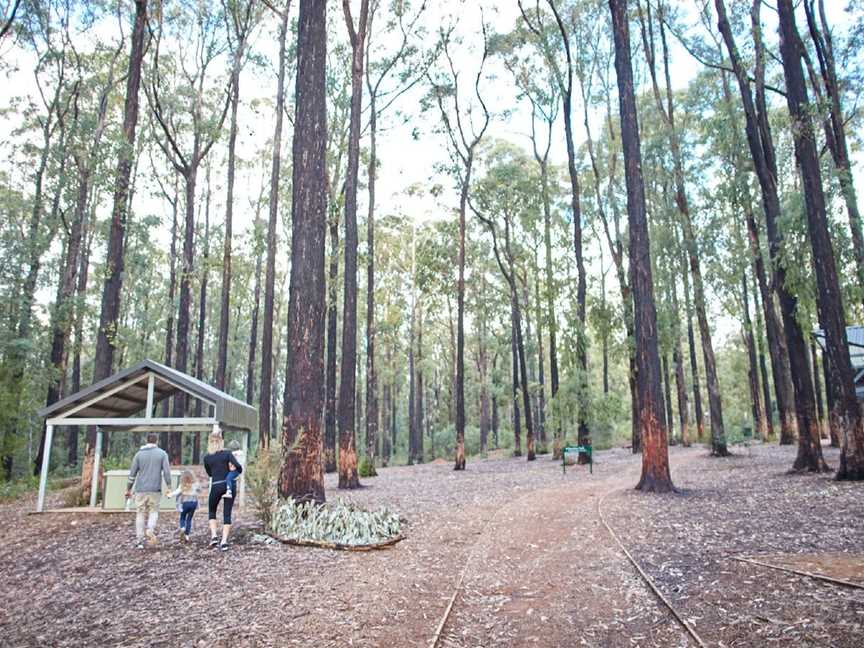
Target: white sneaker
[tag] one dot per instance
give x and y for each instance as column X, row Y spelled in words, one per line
column 228, row 495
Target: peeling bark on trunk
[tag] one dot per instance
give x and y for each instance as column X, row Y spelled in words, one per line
column 655, row 452
column 302, row 474
column 348, row 477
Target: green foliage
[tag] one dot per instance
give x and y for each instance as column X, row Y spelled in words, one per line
column 366, row 468
column 338, row 523
column 261, row 477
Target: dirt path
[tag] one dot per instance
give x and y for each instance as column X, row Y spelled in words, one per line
column 546, row 573
column 540, row 570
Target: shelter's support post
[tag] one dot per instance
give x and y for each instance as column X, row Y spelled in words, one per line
column 46, row 461
column 150, row 387
column 97, row 457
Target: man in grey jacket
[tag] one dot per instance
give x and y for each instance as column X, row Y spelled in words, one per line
column 150, row 468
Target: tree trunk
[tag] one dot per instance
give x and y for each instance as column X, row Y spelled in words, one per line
column 655, row 453
column 202, row 318
column 773, row 328
column 62, row 315
column 348, row 477
column 302, row 475
column 718, row 435
column 266, row 397
column 667, row 395
column 371, row 377
column 835, row 129
column 412, row 386
column 224, row 304
column 829, row 300
column 680, row 381
column 332, row 323
column 418, row 427
column 694, row 367
column 817, row 389
column 181, row 351
column 106, row 337
column 514, row 364
column 762, row 151
column 253, row 327
column 759, row 424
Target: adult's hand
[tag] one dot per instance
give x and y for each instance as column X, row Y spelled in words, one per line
column 128, row 493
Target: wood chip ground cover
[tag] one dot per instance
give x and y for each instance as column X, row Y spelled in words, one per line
column 539, row 568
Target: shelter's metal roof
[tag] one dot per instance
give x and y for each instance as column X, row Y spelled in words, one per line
column 126, row 394
column 855, row 338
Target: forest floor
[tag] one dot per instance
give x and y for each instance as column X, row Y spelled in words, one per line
column 537, row 567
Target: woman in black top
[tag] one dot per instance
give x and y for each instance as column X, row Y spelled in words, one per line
column 218, row 463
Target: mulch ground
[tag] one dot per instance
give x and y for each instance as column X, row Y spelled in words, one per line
column 536, row 566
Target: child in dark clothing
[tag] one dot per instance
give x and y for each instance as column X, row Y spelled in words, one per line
column 231, row 480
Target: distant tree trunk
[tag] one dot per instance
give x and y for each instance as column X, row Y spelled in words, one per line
column 694, row 367
column 253, row 328
column 541, row 374
column 265, row 400
column 202, row 317
column 224, row 308
column 829, row 300
column 106, row 336
column 817, row 388
column 514, row 364
column 655, row 453
column 835, row 426
column 773, row 327
column 302, row 475
column 332, row 315
column 348, row 477
column 680, row 381
column 181, row 349
column 412, row 387
column 576, row 207
column 418, row 427
column 835, row 128
column 762, row 152
column 62, row 314
column 667, row 395
column 718, row 435
column 371, row 377
column 168, row 353
column 759, row 425
column 80, row 296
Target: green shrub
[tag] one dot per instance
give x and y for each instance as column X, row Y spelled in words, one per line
column 261, row 476
column 366, row 468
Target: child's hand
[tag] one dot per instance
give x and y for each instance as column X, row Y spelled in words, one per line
column 231, row 466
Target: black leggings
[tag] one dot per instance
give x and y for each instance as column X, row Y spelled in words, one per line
column 216, row 493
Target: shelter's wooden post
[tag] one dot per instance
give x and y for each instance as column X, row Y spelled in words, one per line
column 151, row 380
column 97, row 458
column 46, row 461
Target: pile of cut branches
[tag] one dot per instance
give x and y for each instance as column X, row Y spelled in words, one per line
column 334, row 526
